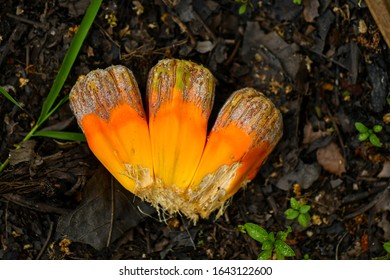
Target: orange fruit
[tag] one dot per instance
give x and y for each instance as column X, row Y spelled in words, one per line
column 165, row 157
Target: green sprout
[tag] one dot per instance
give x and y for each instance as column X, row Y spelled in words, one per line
column 297, row 2
column 386, row 246
column 271, row 244
column 243, row 6
column 370, row 134
column 298, row 210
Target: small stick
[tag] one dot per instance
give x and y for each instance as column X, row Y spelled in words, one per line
column 25, row 20
column 338, row 245
column 41, row 207
column 112, row 213
column 51, row 226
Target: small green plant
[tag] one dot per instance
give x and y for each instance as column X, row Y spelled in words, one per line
column 298, row 210
column 243, row 6
column 386, row 246
column 370, row 134
column 271, row 244
column 297, row 2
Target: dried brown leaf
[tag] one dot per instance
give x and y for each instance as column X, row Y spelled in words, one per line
column 331, row 159
column 304, row 174
column 24, row 154
column 310, row 11
column 385, row 225
column 383, row 202
column 90, row 222
column 309, row 135
column 385, row 172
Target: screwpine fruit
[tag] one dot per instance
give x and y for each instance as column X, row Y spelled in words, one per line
column 165, row 157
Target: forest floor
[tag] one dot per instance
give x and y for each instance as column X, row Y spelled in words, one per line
column 323, row 63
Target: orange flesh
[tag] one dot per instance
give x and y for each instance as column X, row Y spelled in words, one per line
column 178, row 135
column 227, row 146
column 124, row 139
column 224, row 147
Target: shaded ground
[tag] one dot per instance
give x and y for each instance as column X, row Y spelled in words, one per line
column 323, row 63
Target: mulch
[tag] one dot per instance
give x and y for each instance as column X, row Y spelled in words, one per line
column 323, row 63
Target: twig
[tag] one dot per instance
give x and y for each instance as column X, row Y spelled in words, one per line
column 6, row 221
column 112, row 213
column 208, row 30
column 28, row 21
column 41, row 207
column 229, row 60
column 51, row 226
column 188, row 232
column 338, row 245
column 367, row 206
column 184, row 29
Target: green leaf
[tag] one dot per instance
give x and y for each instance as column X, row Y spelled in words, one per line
column 242, row 10
column 61, row 135
column 304, row 219
column 377, row 128
column 363, row 136
column 69, row 59
column 304, row 209
column 282, row 235
column 283, row 249
column 294, row 203
column 346, row 93
column 10, row 98
column 361, row 127
column 386, row 246
column 279, row 256
column 271, row 237
column 375, row 140
column 267, row 245
column 265, row 255
column 291, row 214
column 256, row 232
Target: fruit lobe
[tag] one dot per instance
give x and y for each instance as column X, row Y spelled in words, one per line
column 108, row 107
column 180, row 97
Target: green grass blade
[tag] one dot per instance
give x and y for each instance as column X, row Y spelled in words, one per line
column 9, row 97
column 59, row 81
column 69, row 59
column 4, row 164
column 59, row 104
column 62, row 101
column 62, row 135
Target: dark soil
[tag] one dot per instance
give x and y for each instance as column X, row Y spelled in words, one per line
column 323, row 63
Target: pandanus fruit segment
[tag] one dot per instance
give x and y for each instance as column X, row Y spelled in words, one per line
column 165, row 157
